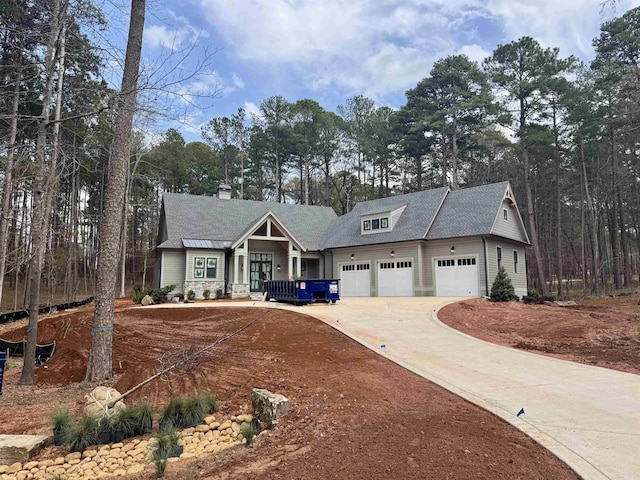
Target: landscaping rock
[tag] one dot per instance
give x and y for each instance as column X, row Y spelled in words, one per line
column 20, row 448
column 268, row 407
column 97, row 402
column 146, row 301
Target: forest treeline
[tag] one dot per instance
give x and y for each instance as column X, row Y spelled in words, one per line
column 563, row 132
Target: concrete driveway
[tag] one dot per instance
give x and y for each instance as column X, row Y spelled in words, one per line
column 588, row 416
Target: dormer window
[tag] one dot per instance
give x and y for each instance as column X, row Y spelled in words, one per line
column 375, row 224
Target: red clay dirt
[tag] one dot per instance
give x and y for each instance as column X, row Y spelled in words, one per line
column 354, row 414
column 603, row 332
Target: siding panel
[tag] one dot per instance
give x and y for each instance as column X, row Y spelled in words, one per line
column 519, row 280
column 373, row 253
column 442, row 248
column 509, row 228
column 190, row 259
column 173, row 268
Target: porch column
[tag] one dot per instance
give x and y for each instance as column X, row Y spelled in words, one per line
column 245, row 271
column 299, row 267
column 290, row 265
column 236, row 267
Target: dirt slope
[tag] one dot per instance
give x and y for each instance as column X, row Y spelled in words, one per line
column 354, row 414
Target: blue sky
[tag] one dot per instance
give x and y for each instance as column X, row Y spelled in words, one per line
column 329, row 50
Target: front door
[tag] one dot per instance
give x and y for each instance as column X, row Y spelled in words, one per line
column 261, row 265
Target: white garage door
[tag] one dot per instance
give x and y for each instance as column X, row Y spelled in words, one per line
column 395, row 279
column 355, row 280
column 457, row 277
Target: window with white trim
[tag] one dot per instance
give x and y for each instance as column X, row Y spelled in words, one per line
column 505, row 215
column 375, row 225
column 515, row 261
column 205, row 267
column 499, row 256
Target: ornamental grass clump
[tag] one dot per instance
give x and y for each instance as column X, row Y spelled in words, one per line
column 143, row 415
column 123, row 424
column 166, row 447
column 206, row 402
column 249, row 431
column 61, row 423
column 172, row 415
column 83, row 433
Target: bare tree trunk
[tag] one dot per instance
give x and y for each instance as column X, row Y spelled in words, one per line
column 100, row 357
column 559, row 256
column 530, row 209
column 454, row 162
column 7, row 189
column 38, row 226
column 615, row 237
column 306, row 182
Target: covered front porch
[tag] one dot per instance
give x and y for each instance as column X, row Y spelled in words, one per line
column 268, row 252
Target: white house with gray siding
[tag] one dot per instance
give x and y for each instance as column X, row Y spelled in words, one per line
column 438, row 242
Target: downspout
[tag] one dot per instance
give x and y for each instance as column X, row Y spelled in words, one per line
column 486, row 267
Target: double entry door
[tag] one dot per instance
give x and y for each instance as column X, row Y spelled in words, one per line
column 261, row 268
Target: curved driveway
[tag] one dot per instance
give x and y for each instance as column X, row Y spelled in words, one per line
column 588, row 416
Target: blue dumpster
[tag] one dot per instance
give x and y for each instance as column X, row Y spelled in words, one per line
column 3, row 359
column 301, row 292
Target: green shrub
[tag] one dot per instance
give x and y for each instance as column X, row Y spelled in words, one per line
column 83, row 433
column 191, row 295
column 533, row 300
column 159, row 295
column 138, row 294
column 219, row 293
column 502, row 288
column 206, row 294
column 532, row 292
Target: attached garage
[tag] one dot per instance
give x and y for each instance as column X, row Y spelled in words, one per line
column 395, row 278
column 355, row 280
column 457, row 277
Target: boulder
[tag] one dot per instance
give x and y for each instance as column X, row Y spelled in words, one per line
column 146, row 301
column 20, row 448
column 268, row 407
column 97, row 403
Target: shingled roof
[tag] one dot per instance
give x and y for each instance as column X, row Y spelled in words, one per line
column 199, row 217
column 469, row 211
column 421, row 208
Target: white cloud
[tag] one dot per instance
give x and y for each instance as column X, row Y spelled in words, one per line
column 237, row 81
column 383, row 47
column 208, row 86
column 159, row 36
column 252, row 109
column 569, row 25
column 475, row 52
column 355, row 45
